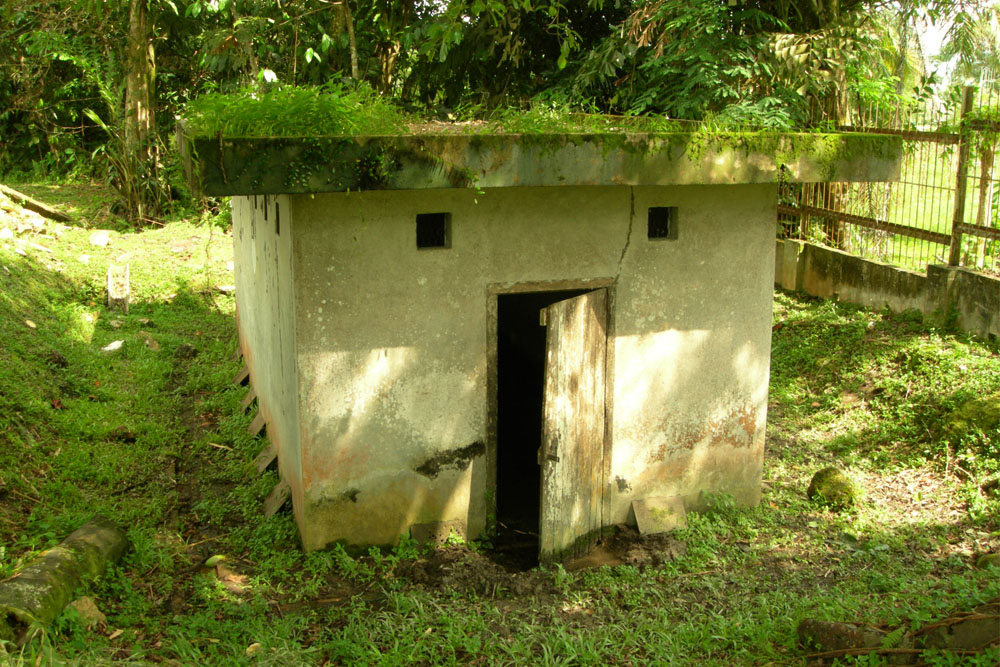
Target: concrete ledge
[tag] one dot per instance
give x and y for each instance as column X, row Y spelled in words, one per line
column 249, row 165
column 973, row 299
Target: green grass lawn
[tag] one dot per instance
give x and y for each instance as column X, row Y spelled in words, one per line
column 155, row 438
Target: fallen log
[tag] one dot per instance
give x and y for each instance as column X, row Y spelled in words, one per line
column 34, row 205
column 39, row 592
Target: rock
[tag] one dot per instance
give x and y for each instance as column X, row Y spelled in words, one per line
column 968, row 632
column 831, row 487
column 122, row 433
column 118, row 287
column 149, row 341
column 100, row 238
column 6, row 233
column 45, row 585
column 89, row 614
column 987, row 560
column 659, row 514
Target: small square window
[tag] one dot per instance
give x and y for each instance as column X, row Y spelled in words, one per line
column 662, row 223
column 433, row 230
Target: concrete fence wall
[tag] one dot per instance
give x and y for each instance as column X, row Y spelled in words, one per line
column 973, row 299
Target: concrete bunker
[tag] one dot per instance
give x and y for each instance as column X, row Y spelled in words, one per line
column 394, row 327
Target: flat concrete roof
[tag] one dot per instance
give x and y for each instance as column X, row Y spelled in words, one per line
column 220, row 166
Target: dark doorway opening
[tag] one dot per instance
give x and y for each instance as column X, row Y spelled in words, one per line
column 520, row 378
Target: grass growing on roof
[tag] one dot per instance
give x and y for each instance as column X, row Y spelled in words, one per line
column 289, row 111
column 340, row 110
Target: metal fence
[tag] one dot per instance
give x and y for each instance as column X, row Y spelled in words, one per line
column 945, row 208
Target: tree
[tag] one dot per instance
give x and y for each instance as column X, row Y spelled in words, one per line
column 973, row 43
column 139, row 140
column 104, row 78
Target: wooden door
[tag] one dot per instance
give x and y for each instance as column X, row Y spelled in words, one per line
column 572, row 452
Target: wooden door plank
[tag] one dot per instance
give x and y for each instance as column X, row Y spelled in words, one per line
column 572, row 456
column 257, row 425
column 279, row 495
column 267, row 456
column 248, row 399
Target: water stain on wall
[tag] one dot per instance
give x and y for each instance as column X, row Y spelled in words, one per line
column 736, row 429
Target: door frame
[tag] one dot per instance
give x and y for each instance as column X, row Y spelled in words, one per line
column 494, row 291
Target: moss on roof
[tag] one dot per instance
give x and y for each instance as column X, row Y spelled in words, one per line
column 334, row 139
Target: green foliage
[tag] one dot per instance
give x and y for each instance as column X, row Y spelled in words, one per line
column 49, row 74
column 332, row 109
column 775, row 66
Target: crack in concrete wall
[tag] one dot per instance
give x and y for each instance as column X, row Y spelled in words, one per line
column 628, row 233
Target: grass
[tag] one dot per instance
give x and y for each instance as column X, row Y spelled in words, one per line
column 337, row 110
column 157, row 440
column 341, row 110
column 293, row 112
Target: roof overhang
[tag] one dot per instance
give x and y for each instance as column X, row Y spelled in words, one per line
column 220, row 166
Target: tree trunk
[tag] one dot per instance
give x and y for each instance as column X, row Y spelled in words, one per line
column 140, row 113
column 39, row 592
column 349, row 22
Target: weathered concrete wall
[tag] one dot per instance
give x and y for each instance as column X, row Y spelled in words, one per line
column 262, row 240
column 392, row 344
column 972, row 298
column 975, row 298
column 692, row 350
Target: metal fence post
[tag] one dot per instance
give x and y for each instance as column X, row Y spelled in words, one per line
column 961, row 181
